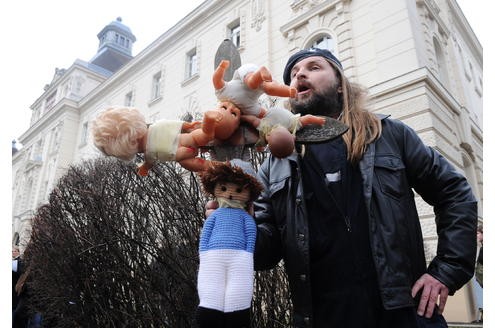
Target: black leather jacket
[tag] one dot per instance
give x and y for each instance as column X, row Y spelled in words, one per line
column 391, row 168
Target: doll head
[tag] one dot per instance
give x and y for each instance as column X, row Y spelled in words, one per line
column 120, row 132
column 235, row 180
column 280, row 142
column 231, row 118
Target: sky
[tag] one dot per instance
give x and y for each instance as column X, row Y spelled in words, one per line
column 39, row 36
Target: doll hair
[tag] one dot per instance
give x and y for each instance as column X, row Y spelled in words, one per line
column 226, row 172
column 117, row 130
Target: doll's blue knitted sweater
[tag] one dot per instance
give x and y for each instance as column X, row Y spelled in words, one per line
column 228, row 228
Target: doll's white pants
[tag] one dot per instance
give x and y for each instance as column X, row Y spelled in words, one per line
column 225, row 279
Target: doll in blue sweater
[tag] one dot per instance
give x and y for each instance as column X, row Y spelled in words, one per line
column 226, row 269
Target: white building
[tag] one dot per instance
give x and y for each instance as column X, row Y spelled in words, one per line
column 419, row 58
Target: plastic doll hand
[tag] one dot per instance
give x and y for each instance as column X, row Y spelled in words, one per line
column 210, row 207
column 292, row 92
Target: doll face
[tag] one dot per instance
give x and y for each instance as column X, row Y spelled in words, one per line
column 231, row 117
column 232, row 191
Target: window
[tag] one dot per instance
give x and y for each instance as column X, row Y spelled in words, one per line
column 79, row 80
column 84, row 133
column 235, row 34
column 156, row 86
column 55, row 142
column 128, row 99
column 192, row 64
column 325, row 42
column 50, row 101
column 440, row 62
column 37, row 151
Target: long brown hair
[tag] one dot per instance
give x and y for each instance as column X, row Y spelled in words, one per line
column 364, row 126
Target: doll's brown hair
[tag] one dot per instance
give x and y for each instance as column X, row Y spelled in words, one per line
column 226, row 172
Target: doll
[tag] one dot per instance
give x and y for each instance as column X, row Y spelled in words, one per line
column 278, row 128
column 122, row 132
column 247, row 85
column 226, row 246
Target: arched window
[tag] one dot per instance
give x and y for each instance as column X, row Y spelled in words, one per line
column 441, row 65
column 324, row 42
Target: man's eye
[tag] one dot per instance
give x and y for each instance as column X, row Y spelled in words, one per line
column 239, row 190
column 223, row 188
column 234, row 114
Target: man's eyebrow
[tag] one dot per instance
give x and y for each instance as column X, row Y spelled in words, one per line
column 317, row 60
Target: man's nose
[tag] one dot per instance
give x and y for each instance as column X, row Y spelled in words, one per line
column 300, row 74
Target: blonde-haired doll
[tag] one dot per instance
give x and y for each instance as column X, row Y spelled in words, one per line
column 122, row 132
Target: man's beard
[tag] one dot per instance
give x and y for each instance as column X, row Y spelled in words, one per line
column 328, row 103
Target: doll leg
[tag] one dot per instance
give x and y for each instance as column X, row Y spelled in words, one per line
column 185, row 152
column 210, row 120
column 201, row 137
column 239, row 282
column 238, row 319
column 209, row 318
column 144, row 168
column 211, row 279
column 255, row 79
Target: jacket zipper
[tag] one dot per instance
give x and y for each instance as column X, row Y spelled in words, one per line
column 347, row 223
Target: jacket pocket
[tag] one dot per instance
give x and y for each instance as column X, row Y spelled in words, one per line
column 391, row 176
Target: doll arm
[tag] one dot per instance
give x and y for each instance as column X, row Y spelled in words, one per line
column 279, row 90
column 311, row 119
column 190, row 126
column 252, row 120
column 250, row 232
column 218, row 81
column 206, row 232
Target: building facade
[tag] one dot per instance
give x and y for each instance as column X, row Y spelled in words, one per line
column 420, row 60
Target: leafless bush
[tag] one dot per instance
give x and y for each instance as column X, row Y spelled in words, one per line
column 113, row 249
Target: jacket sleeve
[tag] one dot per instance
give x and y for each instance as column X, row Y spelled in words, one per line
column 455, row 207
column 268, row 250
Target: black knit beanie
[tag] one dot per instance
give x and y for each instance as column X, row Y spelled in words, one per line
column 301, row 54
